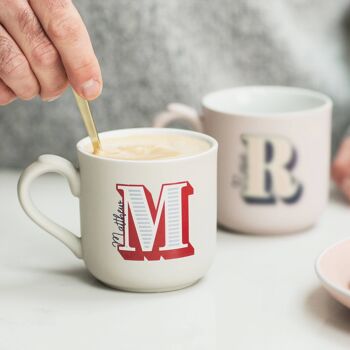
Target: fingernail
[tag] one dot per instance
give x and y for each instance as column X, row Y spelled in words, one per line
column 4, row 103
column 91, row 89
column 53, row 98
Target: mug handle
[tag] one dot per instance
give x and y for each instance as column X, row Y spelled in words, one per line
column 50, row 164
column 178, row 111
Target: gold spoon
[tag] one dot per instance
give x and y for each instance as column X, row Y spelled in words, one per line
column 85, row 112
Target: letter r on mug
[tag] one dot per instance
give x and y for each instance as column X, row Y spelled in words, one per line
column 268, row 170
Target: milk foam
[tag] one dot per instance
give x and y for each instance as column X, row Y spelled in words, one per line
column 151, row 147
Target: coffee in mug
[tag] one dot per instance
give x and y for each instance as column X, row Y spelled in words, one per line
column 274, row 154
column 148, row 215
column 152, row 147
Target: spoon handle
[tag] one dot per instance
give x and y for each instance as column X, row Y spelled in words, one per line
column 88, row 121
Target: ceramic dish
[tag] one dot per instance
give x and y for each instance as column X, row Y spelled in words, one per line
column 333, row 269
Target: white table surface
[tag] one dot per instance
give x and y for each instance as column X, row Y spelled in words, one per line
column 261, row 292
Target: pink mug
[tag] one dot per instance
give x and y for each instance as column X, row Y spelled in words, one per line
column 274, row 154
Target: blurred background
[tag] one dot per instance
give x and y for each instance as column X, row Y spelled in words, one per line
column 154, row 52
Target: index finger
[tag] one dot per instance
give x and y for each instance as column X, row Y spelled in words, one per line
column 65, row 28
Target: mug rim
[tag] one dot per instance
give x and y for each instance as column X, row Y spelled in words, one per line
column 325, row 101
column 148, row 130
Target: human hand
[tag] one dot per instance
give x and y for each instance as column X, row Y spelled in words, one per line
column 341, row 167
column 44, row 46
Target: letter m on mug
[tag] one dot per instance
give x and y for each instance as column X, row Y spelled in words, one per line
column 158, row 231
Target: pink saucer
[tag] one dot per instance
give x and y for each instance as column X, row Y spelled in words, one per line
column 333, row 269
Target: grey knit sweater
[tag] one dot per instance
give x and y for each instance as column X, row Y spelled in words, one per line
column 157, row 51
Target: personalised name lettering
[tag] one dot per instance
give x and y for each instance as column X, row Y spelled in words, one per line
column 149, row 231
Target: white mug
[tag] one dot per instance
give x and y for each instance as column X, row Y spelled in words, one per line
column 146, row 225
column 274, row 154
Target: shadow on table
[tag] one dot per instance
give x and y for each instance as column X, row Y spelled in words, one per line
column 81, row 274
column 72, row 273
column 323, row 307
